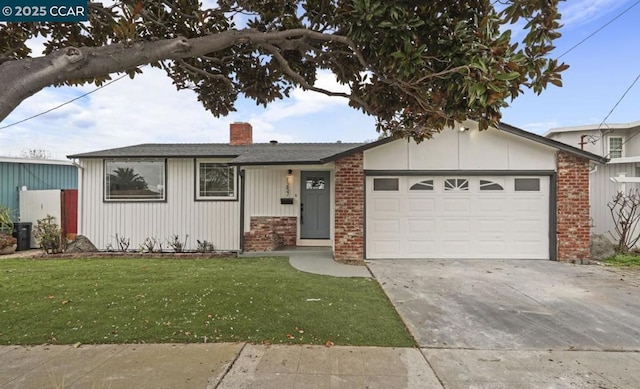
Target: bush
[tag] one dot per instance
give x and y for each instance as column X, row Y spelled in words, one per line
column 7, row 240
column 205, row 246
column 49, row 235
column 625, row 212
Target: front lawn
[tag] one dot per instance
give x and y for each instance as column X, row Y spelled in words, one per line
column 204, row 300
column 624, row 260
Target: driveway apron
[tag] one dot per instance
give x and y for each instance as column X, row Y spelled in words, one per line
column 514, row 304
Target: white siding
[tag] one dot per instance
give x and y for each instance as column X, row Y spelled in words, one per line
column 469, row 150
column 214, row 221
column 598, row 143
column 602, row 190
column 574, row 139
column 265, row 187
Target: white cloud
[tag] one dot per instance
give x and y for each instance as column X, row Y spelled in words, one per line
column 578, row 12
column 148, row 109
column 306, row 102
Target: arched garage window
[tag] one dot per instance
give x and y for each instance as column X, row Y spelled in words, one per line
column 422, row 185
column 456, row 184
column 490, row 185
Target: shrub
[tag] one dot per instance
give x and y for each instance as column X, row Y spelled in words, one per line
column 49, row 235
column 625, row 212
column 205, row 246
column 7, row 240
column 151, row 245
column 176, row 244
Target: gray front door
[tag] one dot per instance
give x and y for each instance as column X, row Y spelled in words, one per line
column 314, row 205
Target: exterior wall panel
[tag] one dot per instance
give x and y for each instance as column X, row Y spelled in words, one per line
column 468, row 150
column 264, row 189
column 602, row 191
column 214, row 221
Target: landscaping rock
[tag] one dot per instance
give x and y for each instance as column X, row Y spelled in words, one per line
column 601, row 247
column 81, row 244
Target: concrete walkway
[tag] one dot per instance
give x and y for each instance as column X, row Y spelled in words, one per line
column 316, row 260
column 238, row 365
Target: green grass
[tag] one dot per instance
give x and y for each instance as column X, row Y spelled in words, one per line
column 624, row 260
column 168, row 300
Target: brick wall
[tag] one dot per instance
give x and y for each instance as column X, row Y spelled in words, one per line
column 349, row 210
column 573, row 227
column 268, row 233
column 240, row 134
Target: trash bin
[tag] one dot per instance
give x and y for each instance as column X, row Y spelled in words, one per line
column 22, row 232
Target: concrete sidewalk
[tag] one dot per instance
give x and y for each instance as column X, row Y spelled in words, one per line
column 237, row 365
column 315, row 260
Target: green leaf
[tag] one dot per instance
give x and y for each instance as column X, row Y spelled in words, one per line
column 507, row 76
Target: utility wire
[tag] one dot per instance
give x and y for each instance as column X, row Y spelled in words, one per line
column 63, row 104
column 598, row 30
column 614, row 107
column 496, row 1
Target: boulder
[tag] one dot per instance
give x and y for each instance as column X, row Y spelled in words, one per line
column 81, row 244
column 601, row 247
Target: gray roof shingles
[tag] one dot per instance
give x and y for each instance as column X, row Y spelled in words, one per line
column 257, row 153
column 286, row 153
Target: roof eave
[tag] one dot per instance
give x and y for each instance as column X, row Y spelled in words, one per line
column 274, row 163
column 357, row 149
column 138, row 156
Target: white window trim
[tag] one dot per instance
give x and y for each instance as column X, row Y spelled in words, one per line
column 107, row 199
column 622, row 154
column 215, row 198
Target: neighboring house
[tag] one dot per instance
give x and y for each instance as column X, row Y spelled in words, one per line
column 30, row 174
column 500, row 193
column 620, row 144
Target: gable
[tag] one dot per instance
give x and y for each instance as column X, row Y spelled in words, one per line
column 468, row 150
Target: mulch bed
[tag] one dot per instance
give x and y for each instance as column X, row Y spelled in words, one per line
column 118, row 254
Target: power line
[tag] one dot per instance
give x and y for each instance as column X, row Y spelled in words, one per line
column 599, row 29
column 63, row 104
column 614, row 107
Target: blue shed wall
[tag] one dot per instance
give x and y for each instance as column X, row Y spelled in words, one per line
column 13, row 176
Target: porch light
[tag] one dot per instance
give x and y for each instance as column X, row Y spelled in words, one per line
column 289, row 182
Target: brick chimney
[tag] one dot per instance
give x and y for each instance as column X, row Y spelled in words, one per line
column 240, row 134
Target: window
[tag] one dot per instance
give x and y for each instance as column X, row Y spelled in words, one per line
column 314, row 183
column 422, row 185
column 390, row 184
column 456, row 184
column 490, row 185
column 616, row 147
column 134, row 180
column 215, row 181
column 527, row 184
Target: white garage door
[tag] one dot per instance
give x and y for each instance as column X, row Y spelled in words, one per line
column 457, row 217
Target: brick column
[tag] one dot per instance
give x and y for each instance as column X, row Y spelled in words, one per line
column 573, row 226
column 349, row 210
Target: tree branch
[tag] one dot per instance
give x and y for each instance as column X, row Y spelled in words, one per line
column 28, row 76
column 303, row 83
column 195, row 70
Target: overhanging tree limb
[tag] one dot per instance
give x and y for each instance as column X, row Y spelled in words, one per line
column 416, row 66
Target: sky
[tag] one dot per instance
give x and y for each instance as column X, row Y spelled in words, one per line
column 149, row 109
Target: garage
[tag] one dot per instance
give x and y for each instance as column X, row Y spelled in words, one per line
column 458, row 216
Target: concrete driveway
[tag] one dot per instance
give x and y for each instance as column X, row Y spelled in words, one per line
column 514, row 304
